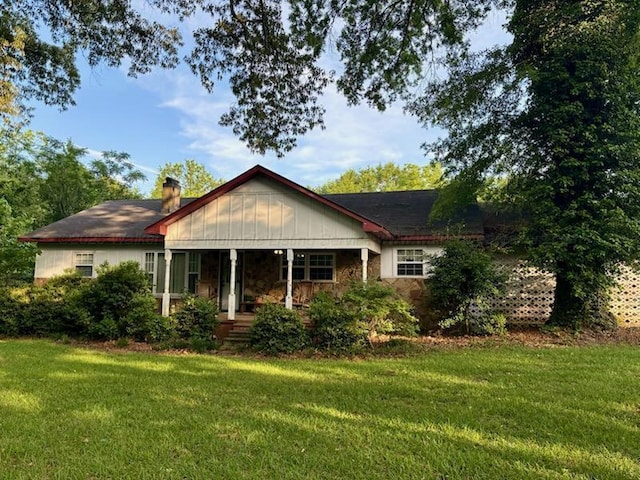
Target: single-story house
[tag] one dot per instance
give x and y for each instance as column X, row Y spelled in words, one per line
column 258, row 237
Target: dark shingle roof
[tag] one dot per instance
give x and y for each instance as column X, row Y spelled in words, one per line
column 406, row 214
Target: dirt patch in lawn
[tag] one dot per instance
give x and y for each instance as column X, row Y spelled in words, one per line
column 536, row 337
column 531, row 337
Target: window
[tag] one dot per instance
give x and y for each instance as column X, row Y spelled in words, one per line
column 298, row 269
column 321, row 267
column 410, row 262
column 185, row 271
column 193, row 274
column 84, row 264
column 150, row 266
column 311, row 266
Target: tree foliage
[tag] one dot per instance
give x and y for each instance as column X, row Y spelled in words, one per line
column 269, row 51
column 387, row 177
column 47, row 36
column 194, row 179
column 43, row 180
column 558, row 110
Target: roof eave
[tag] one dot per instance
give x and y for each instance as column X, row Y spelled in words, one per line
column 91, row 239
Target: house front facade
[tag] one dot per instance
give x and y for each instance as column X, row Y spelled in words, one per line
column 259, row 237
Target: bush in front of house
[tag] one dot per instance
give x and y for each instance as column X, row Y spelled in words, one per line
column 56, row 307
column 334, row 327
column 277, row 330
column 120, row 304
column 196, row 320
column 462, row 281
column 379, row 309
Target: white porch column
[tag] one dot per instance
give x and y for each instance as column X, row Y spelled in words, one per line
column 364, row 256
column 288, row 301
column 233, row 257
column 166, row 295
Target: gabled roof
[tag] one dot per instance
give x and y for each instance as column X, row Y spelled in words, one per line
column 395, row 216
column 369, row 226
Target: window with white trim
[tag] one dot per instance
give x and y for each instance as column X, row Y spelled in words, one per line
column 184, row 275
column 410, row 262
column 299, row 267
column 84, row 264
column 318, row 267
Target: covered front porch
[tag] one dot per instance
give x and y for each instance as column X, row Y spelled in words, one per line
column 240, row 280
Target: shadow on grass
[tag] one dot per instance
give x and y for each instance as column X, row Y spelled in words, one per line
column 477, row 413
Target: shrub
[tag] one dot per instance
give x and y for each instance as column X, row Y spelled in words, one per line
column 120, row 304
column 334, row 327
column 13, row 305
column 277, row 330
column 379, row 310
column 56, row 307
column 464, row 277
column 143, row 323
column 197, row 318
column 492, row 324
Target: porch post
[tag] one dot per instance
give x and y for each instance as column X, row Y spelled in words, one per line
column 288, row 301
column 166, row 295
column 233, row 256
column 364, row 256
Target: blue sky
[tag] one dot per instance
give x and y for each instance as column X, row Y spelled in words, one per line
column 166, row 116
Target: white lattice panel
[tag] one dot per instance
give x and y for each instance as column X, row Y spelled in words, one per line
column 625, row 300
column 529, row 296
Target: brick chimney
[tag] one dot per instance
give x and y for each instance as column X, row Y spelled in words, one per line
column 170, row 195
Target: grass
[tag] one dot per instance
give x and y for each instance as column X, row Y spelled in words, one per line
column 467, row 413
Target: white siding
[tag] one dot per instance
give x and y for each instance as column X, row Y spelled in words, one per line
column 55, row 259
column 264, row 214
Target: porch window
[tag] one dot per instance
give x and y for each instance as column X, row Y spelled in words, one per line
column 193, row 275
column 185, row 271
column 321, row 267
column 150, row 267
column 410, row 262
column 84, row 264
column 311, row 266
column 299, row 265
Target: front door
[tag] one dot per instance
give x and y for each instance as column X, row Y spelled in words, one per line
column 225, row 277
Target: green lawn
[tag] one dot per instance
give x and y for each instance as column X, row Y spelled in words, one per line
column 467, row 413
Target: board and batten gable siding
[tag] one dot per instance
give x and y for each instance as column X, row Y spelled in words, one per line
column 262, row 214
column 55, row 259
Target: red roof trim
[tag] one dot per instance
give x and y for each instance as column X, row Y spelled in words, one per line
column 91, row 240
column 437, row 238
column 160, row 227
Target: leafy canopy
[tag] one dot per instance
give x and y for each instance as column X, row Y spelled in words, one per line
column 384, row 178
column 43, row 180
column 268, row 51
column 194, row 179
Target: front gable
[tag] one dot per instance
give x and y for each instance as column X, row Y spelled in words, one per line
column 262, row 212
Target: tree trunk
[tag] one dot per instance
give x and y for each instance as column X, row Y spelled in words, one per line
column 573, row 311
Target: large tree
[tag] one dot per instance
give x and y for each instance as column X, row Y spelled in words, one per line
column 386, row 177
column 558, row 111
column 194, row 178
